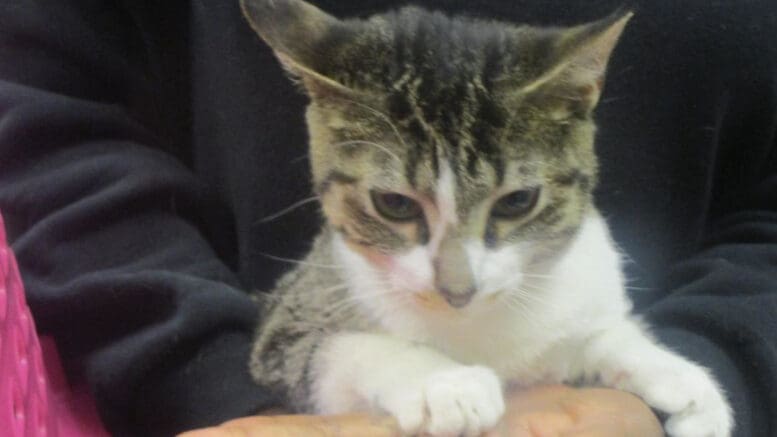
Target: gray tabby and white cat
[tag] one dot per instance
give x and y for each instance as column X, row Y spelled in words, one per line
column 454, row 162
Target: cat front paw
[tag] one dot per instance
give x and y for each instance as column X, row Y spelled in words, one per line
column 692, row 398
column 459, row 401
column 695, row 403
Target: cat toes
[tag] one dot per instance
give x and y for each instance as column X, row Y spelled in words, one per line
column 673, row 390
column 463, row 401
column 696, row 405
column 409, row 410
column 695, row 422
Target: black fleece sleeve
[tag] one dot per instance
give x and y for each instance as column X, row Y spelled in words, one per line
column 721, row 310
column 104, row 224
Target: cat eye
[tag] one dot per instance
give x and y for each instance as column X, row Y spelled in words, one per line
column 516, row 203
column 395, row 206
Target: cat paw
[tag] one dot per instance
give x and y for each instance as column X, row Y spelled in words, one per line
column 691, row 397
column 695, row 403
column 461, row 401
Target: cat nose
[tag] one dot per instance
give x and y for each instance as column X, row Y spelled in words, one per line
column 453, row 275
column 459, row 298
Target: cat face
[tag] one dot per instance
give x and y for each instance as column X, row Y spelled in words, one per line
column 453, row 157
column 458, row 219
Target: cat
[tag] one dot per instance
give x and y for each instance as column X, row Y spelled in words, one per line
column 454, row 162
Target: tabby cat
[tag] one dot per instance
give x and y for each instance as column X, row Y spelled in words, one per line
column 454, row 162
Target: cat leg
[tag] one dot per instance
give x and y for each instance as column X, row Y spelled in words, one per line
column 625, row 357
column 424, row 390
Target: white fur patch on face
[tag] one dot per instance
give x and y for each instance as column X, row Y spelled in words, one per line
column 412, row 270
column 446, row 194
column 445, row 199
column 494, row 270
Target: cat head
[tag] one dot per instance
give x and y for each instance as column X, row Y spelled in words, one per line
column 452, row 156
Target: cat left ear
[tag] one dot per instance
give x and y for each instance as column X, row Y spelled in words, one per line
column 304, row 39
column 579, row 57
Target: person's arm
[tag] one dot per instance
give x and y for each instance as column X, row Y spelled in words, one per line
column 721, row 306
column 106, row 225
column 722, row 311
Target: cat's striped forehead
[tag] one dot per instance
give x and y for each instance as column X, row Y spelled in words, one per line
column 451, row 112
column 404, row 141
column 437, row 75
column 457, row 122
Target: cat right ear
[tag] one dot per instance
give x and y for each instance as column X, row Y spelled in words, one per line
column 304, row 39
column 574, row 62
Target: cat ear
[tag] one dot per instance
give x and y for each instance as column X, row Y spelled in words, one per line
column 573, row 77
column 303, row 39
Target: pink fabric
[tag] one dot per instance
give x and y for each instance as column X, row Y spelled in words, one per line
column 35, row 398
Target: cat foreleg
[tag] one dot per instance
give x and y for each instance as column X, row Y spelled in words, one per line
column 424, row 390
column 625, row 357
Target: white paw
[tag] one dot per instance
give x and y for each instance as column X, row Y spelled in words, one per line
column 459, row 401
column 689, row 394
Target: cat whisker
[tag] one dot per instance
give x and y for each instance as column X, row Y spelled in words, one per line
column 517, row 305
column 368, row 143
column 537, row 275
column 299, row 159
column 341, row 286
column 354, row 300
column 628, row 287
column 520, row 307
column 520, row 279
column 382, row 116
column 315, row 326
column 525, row 300
column 344, row 306
column 532, row 286
column 300, row 262
column 377, row 285
column 611, row 99
column 266, row 300
column 389, row 309
column 286, row 210
column 623, row 70
column 526, row 297
column 523, row 295
column 526, row 312
column 374, row 288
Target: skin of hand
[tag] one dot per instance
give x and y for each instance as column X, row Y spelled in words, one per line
column 544, row 411
column 562, row 411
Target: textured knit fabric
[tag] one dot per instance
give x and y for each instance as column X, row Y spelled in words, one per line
column 142, row 142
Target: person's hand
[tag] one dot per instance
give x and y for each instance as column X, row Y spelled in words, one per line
column 562, row 411
column 352, row 425
column 546, row 411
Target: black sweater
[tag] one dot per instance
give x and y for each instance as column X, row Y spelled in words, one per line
column 142, row 142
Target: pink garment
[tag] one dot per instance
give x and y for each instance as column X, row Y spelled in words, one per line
column 35, row 398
